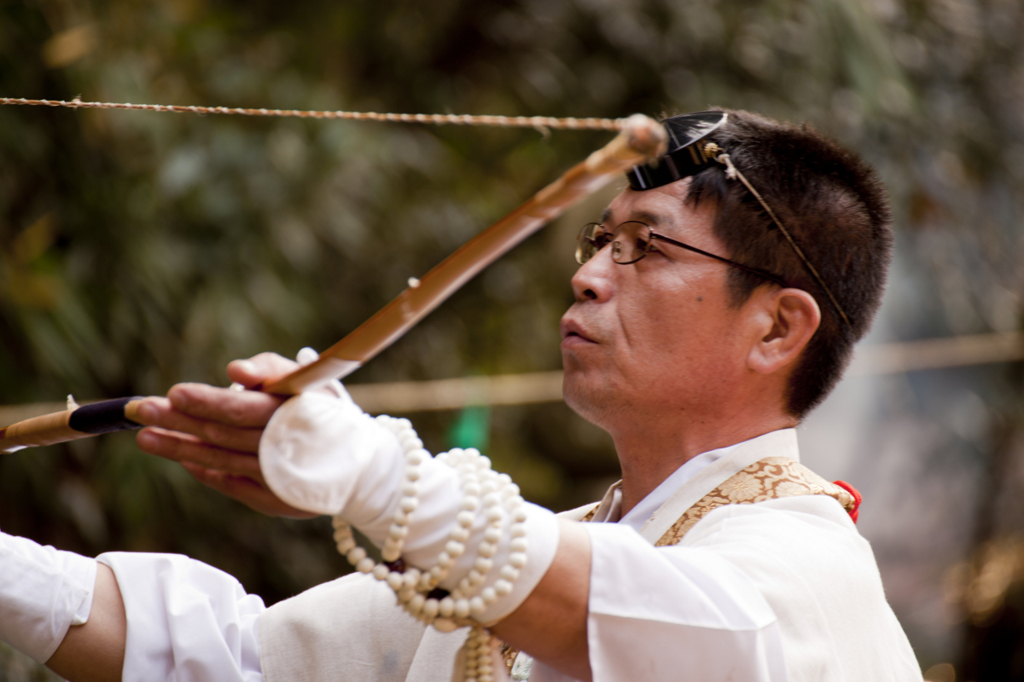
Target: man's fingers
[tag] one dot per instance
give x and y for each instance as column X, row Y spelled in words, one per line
column 185, row 448
column 238, row 408
column 260, row 368
column 151, row 413
column 246, row 491
column 234, row 474
column 236, row 487
column 244, row 409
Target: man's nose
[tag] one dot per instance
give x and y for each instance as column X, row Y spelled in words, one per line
column 594, row 280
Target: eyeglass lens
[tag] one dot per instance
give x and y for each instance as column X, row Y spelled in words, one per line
column 630, row 242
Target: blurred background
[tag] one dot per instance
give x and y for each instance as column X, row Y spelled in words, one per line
column 141, row 249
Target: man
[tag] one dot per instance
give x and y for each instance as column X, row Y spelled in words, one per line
column 717, row 302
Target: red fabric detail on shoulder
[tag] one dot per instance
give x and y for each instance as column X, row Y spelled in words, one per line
column 856, row 498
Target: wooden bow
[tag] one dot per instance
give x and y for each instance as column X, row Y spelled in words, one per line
column 641, row 139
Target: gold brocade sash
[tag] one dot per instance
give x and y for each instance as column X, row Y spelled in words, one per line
column 771, row 478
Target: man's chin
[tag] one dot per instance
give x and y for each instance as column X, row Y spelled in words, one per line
column 582, row 396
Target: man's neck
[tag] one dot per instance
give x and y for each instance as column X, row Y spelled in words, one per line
column 649, row 457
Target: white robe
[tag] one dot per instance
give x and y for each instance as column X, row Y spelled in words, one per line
column 779, row 590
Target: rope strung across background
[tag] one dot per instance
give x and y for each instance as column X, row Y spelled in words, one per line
column 539, row 122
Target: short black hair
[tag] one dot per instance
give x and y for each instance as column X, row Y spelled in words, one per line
column 837, row 211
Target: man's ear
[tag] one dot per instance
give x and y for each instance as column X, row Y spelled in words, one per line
column 786, row 322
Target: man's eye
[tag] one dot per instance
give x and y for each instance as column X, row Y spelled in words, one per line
column 652, row 249
column 602, row 240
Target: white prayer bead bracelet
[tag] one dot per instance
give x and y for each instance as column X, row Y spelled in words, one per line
column 481, row 487
column 499, row 495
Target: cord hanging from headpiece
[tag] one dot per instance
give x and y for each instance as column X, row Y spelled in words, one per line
column 731, row 172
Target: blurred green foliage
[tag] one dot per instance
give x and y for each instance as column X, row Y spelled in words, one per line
column 142, row 249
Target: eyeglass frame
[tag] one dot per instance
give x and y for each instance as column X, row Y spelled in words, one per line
column 581, row 239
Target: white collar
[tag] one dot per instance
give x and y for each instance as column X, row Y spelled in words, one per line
column 638, row 515
column 610, row 509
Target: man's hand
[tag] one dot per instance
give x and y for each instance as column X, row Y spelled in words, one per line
column 215, row 432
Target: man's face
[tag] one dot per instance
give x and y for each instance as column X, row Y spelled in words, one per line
column 657, row 337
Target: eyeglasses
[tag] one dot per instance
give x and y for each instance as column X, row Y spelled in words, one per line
column 631, row 241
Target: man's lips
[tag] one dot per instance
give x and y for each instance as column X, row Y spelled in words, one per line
column 572, row 333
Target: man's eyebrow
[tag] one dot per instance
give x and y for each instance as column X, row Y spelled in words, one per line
column 645, row 217
column 641, row 216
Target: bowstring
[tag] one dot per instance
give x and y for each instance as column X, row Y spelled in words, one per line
column 541, row 123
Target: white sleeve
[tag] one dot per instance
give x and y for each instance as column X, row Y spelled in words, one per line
column 663, row 613
column 187, row 621
column 43, row 592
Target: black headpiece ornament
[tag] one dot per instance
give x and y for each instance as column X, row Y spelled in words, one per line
column 685, row 157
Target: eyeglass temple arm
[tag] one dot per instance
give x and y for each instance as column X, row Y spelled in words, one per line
column 761, row 273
